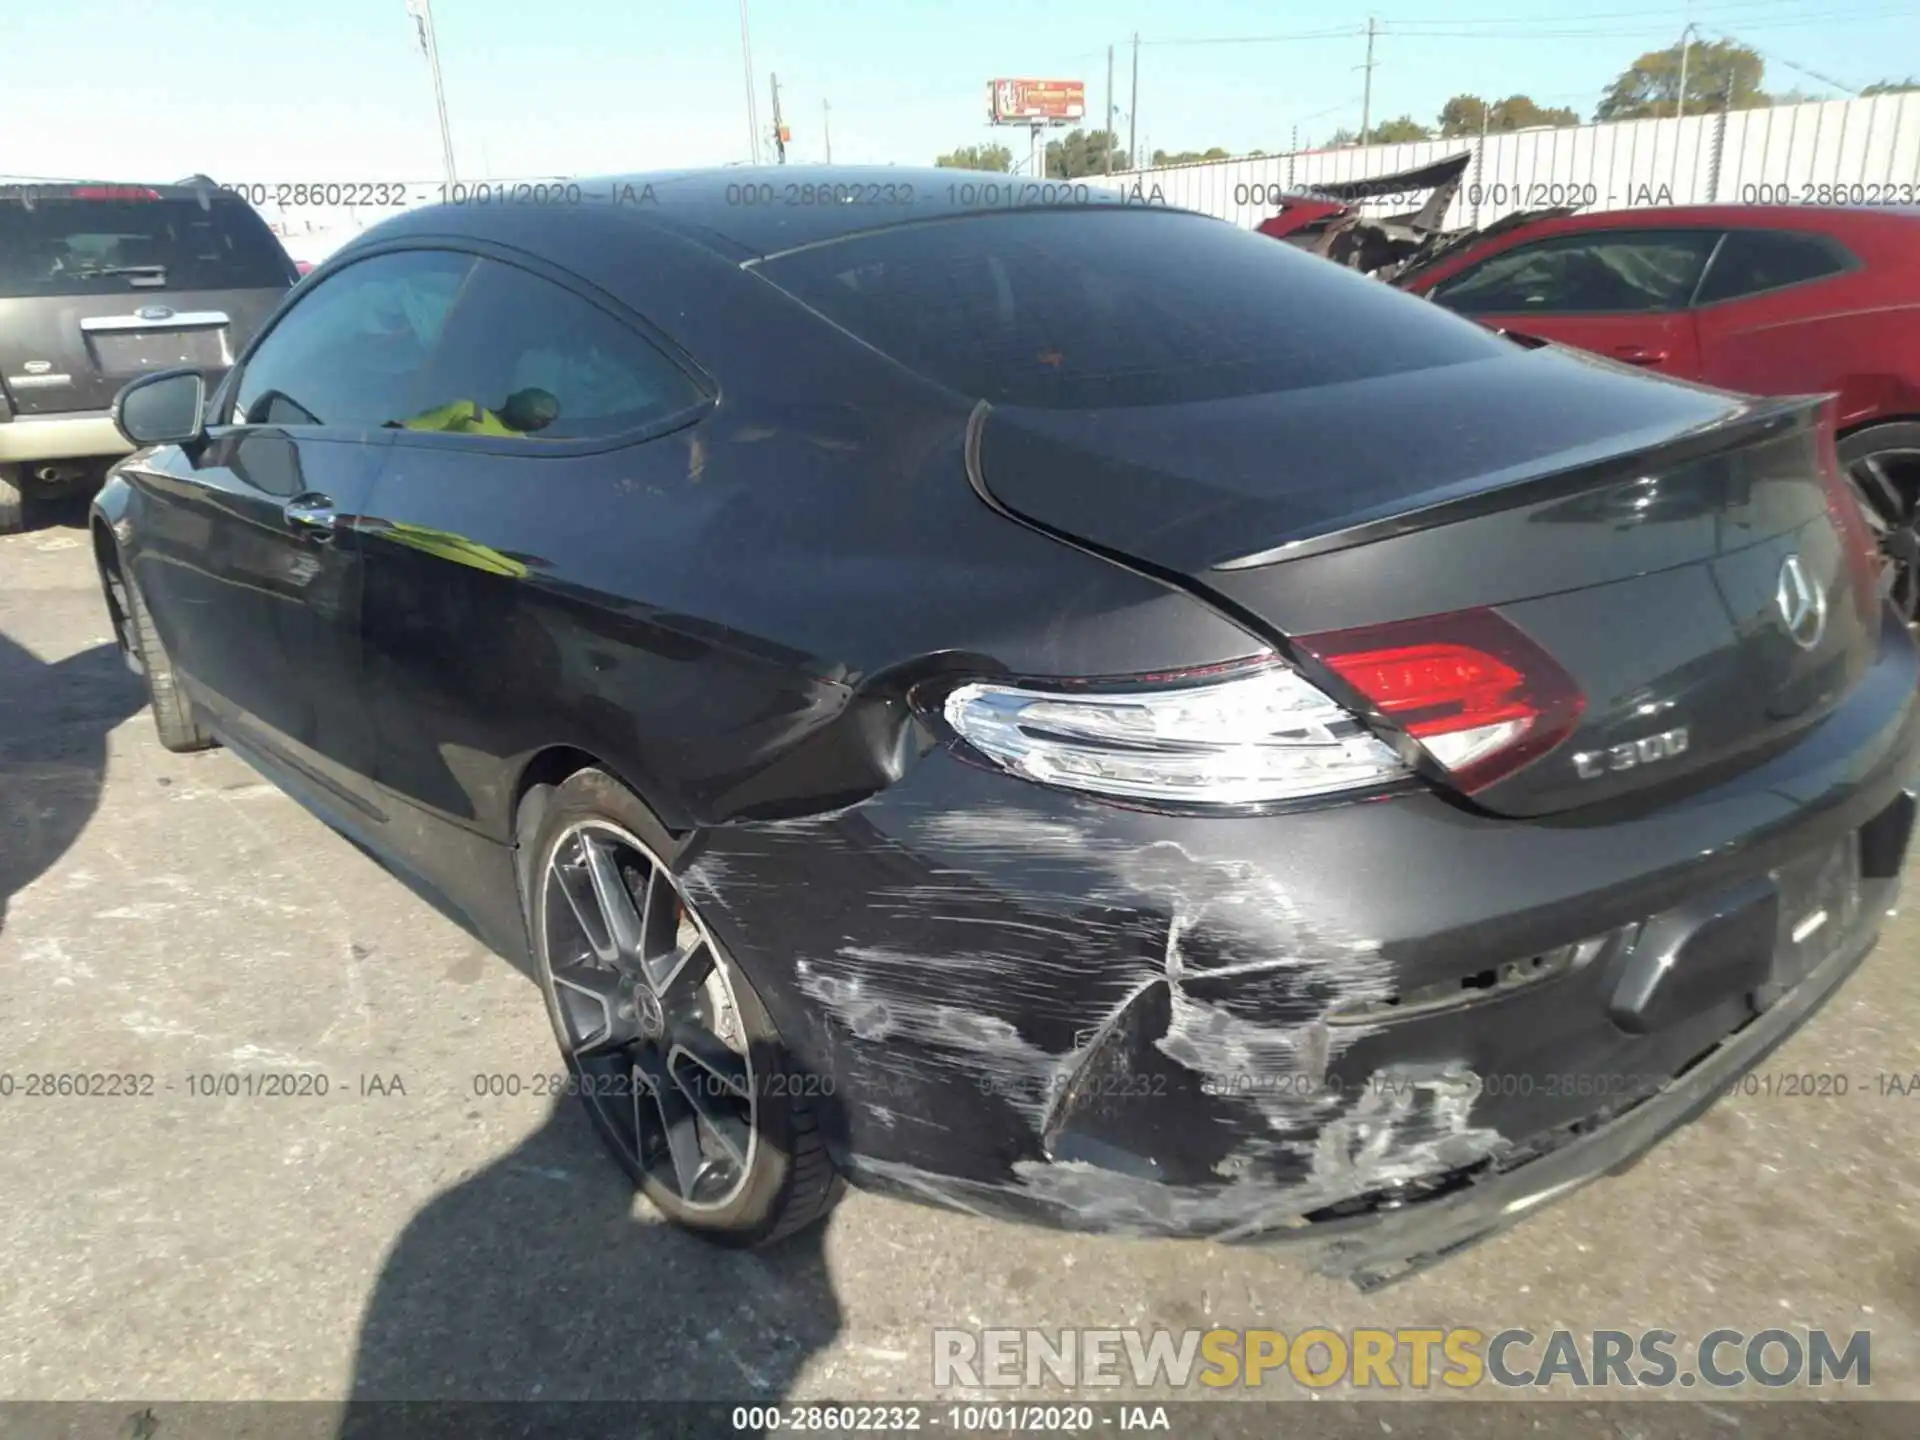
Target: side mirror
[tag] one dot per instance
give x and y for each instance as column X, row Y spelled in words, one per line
column 162, row 409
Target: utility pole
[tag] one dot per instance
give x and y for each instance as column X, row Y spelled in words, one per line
column 1366, row 91
column 1133, row 104
column 422, row 13
column 826, row 129
column 1110, row 112
column 753, row 111
column 779, row 130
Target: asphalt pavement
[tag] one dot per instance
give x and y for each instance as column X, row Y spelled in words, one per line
column 216, row 1235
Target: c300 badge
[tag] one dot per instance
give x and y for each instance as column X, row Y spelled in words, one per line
column 1648, row 750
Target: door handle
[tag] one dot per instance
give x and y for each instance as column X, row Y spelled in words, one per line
column 1639, row 355
column 312, row 516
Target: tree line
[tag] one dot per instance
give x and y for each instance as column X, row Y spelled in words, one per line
column 1719, row 74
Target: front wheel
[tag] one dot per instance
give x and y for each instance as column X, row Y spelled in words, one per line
column 1882, row 464
column 179, row 727
column 667, row 1044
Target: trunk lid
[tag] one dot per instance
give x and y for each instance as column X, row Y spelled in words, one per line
column 1685, row 556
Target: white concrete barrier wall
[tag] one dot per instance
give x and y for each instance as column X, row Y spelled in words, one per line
column 1857, row 152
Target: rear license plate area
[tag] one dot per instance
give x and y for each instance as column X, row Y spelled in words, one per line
column 136, row 352
column 1819, row 903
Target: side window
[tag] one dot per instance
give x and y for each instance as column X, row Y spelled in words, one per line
column 1592, row 272
column 525, row 358
column 1755, row 260
column 352, row 350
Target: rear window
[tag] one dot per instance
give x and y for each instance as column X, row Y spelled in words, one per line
column 1591, row 272
column 103, row 247
column 1749, row 262
column 1091, row 308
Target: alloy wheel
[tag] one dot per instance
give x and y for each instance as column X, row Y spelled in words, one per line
column 648, row 1016
column 1887, row 483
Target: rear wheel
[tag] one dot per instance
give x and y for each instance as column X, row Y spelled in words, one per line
column 1882, row 463
column 671, row 1050
column 13, row 499
column 173, row 716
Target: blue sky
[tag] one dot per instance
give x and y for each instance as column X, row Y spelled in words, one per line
column 338, row 90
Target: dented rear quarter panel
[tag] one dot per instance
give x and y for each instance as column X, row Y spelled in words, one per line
column 1043, row 1006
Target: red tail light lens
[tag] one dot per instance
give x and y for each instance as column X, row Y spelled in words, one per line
column 1478, row 695
column 115, row 192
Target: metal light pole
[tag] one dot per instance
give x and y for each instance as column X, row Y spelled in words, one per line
column 1133, row 105
column 1110, row 111
column 1686, row 46
column 422, row 13
column 753, row 112
column 826, row 128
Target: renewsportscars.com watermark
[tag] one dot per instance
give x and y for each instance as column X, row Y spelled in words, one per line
column 1414, row 1359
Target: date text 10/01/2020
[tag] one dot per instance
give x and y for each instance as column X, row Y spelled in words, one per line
column 966, row 195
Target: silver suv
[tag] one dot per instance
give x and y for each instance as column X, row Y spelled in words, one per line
column 100, row 283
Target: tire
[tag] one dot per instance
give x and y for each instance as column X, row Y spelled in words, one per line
column 173, row 715
column 13, row 500
column 759, row 1169
column 1882, row 464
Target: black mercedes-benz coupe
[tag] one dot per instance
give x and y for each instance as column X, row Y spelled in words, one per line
column 1040, row 702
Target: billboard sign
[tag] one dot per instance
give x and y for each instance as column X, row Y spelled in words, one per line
column 1022, row 102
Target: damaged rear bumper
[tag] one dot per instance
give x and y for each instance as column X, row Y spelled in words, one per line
column 1384, row 1246
column 1381, row 1029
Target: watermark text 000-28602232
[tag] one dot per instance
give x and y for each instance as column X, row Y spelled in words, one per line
column 406, row 194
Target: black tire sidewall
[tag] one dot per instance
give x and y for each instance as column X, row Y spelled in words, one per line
column 756, row 1210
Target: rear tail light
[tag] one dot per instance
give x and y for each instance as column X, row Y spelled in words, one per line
column 1480, row 697
column 115, row 192
column 1247, row 734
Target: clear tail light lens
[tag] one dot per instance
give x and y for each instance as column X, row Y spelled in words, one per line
column 1478, row 695
column 1250, row 735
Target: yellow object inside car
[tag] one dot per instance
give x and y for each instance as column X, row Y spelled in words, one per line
column 460, row 417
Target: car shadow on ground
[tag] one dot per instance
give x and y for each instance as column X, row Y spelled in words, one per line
column 54, row 722
column 543, row 1281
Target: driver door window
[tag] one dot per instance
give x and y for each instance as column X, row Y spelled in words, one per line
column 526, row 359
column 351, row 352
column 1597, row 272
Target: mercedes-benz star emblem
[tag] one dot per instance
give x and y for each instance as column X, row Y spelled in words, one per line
column 653, row 1020
column 1802, row 604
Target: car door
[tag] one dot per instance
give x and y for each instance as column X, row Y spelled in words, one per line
column 1620, row 293
column 1776, row 313
column 251, row 562
column 541, row 425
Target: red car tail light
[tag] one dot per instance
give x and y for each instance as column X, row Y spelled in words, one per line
column 115, row 192
column 1471, row 688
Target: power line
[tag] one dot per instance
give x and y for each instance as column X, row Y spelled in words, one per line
column 1660, row 14
column 1617, row 32
column 1344, row 33
column 1797, row 69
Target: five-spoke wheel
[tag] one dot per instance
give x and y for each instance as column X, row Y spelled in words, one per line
column 1882, row 464
column 670, row 1047
column 648, row 1014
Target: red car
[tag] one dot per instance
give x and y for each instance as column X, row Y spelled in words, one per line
column 1773, row 300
